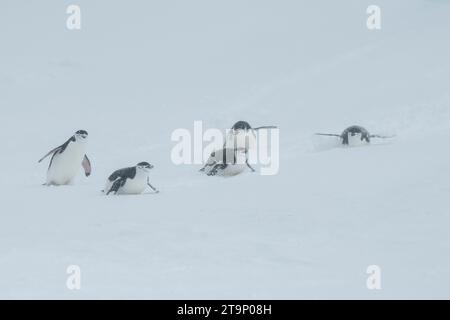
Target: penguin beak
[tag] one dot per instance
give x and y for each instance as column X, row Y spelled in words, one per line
column 146, row 168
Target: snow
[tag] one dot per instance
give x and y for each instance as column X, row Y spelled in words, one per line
column 137, row 71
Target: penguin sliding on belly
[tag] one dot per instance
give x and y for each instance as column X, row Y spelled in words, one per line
column 227, row 162
column 233, row 158
column 66, row 160
column 132, row 180
column 354, row 136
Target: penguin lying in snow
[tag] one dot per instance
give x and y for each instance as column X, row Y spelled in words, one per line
column 233, row 158
column 131, row 180
column 227, row 162
column 66, row 160
column 355, row 135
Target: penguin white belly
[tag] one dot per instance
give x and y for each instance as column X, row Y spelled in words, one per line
column 134, row 186
column 65, row 166
column 234, row 166
column 355, row 141
column 241, row 139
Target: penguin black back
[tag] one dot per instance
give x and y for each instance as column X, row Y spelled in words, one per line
column 127, row 173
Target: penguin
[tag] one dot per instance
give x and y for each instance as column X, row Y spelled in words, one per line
column 132, row 180
column 227, row 162
column 243, row 136
column 355, row 135
column 66, row 160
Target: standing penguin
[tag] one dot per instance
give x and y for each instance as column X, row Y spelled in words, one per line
column 355, row 135
column 132, row 180
column 66, row 160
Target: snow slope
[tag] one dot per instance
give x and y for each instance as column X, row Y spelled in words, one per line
column 137, row 70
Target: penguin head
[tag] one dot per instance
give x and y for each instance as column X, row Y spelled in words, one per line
column 81, row 135
column 144, row 166
column 241, row 125
column 355, row 135
column 354, row 130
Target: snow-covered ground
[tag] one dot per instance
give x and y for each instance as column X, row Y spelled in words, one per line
column 138, row 70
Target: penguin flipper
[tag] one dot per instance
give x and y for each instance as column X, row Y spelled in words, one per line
column 50, row 153
column 119, row 183
column 328, row 134
column 381, row 137
column 86, row 166
column 265, row 127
